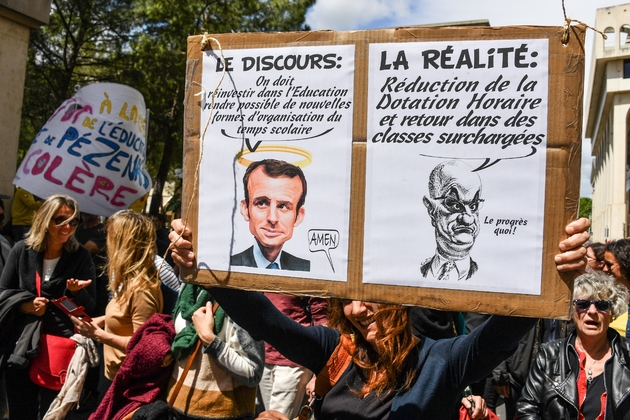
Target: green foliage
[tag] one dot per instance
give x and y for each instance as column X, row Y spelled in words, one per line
column 140, row 43
column 83, row 43
column 586, row 206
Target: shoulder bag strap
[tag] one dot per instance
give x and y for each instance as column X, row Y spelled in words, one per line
column 180, row 381
column 38, row 283
column 192, row 356
column 335, row 367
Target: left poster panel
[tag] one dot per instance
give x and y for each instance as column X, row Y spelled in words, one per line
column 274, row 179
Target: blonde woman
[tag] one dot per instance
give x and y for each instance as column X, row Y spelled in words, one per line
column 133, row 282
column 47, row 265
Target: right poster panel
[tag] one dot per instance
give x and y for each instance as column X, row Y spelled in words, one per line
column 456, row 158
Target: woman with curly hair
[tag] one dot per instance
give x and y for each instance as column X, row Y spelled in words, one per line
column 133, row 282
column 390, row 373
column 586, row 375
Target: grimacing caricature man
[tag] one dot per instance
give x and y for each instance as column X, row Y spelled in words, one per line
column 453, row 205
column 275, row 192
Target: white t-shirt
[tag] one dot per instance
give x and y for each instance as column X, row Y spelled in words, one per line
column 49, row 267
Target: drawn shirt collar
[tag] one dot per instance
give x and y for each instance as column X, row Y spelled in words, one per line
column 462, row 266
column 261, row 261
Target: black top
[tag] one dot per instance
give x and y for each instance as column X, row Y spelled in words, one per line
column 19, row 274
column 592, row 403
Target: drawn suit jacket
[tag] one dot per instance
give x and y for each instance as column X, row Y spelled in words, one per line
column 287, row 261
column 426, row 266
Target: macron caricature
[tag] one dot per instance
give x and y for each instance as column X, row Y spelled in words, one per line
column 275, row 192
column 453, row 204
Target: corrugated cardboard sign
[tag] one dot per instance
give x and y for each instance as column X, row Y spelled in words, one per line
column 432, row 167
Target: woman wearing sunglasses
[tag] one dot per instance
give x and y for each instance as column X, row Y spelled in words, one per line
column 586, row 375
column 47, row 265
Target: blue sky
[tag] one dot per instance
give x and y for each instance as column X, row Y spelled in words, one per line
column 370, row 14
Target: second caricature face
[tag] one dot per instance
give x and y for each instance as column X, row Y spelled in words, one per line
column 272, row 210
column 453, row 206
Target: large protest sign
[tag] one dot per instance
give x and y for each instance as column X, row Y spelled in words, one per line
column 92, row 148
column 464, row 164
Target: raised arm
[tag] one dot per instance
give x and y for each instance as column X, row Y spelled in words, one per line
column 308, row 346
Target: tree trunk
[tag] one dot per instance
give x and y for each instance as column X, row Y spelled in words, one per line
column 160, row 179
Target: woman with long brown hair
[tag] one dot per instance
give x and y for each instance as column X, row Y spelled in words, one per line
column 133, row 282
column 391, row 374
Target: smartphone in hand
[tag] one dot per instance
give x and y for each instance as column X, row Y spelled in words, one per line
column 68, row 307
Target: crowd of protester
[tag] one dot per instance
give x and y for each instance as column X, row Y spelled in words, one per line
column 160, row 349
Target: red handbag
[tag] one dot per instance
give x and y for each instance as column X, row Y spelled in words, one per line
column 463, row 414
column 49, row 368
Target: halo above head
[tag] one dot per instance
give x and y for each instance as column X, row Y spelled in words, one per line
column 276, row 148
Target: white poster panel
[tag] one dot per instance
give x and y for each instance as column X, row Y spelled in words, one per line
column 92, row 148
column 285, row 113
column 457, row 136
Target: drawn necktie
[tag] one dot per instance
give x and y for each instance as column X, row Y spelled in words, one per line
column 273, row 266
column 445, row 270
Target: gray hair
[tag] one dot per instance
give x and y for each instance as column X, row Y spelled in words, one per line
column 596, row 285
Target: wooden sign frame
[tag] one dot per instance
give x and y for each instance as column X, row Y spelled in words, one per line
column 566, row 80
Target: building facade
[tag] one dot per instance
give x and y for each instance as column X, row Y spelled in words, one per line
column 17, row 18
column 608, row 124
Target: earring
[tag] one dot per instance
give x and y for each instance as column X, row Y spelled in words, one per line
column 353, row 335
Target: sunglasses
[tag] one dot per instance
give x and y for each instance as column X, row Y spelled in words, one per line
column 62, row 221
column 609, row 265
column 456, row 206
column 583, row 305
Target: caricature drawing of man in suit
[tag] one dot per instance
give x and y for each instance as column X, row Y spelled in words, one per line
column 453, row 205
column 275, row 192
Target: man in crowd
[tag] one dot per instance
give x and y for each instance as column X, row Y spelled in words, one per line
column 5, row 246
column 24, row 207
column 283, row 384
column 91, row 235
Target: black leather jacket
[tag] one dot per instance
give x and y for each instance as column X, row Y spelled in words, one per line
column 551, row 390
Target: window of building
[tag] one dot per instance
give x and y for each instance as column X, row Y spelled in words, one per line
column 610, row 41
column 624, row 39
column 626, row 68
